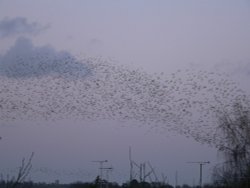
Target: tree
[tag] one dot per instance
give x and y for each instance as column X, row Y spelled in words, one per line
column 23, row 172
column 234, row 129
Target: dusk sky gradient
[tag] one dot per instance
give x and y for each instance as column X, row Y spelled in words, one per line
column 150, row 36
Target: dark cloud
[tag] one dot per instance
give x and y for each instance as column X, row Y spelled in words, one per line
column 19, row 25
column 24, row 60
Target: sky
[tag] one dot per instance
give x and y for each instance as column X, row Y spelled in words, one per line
column 47, row 46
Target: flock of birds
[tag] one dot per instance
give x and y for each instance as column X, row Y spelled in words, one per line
column 94, row 89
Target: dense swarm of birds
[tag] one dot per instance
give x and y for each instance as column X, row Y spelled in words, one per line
column 93, row 89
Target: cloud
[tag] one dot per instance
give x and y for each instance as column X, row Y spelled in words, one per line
column 19, row 25
column 24, row 60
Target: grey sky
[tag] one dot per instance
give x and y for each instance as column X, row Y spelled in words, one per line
column 168, row 33
column 155, row 36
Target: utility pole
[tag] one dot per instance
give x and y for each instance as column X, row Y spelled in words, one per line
column 107, row 169
column 101, row 169
column 201, row 163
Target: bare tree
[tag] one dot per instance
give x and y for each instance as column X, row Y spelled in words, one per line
column 23, row 172
column 234, row 129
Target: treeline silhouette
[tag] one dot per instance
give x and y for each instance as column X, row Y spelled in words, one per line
column 98, row 184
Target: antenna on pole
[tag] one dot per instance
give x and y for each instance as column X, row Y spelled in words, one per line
column 107, row 169
column 201, row 163
column 101, row 169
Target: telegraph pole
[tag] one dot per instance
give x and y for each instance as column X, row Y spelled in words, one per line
column 101, row 166
column 201, row 163
column 107, row 169
column 101, row 169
